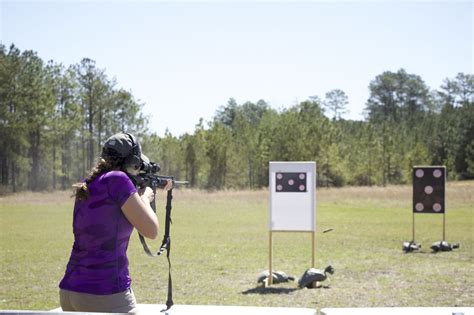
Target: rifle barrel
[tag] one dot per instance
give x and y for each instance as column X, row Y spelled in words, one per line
column 181, row 182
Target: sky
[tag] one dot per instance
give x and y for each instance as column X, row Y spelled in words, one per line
column 185, row 59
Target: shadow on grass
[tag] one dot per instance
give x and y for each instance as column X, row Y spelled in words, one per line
column 269, row 290
column 273, row 290
column 420, row 252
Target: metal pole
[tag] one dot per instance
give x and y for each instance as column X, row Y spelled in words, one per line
column 313, row 247
column 413, row 235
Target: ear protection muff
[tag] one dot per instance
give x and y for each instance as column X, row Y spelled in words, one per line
column 134, row 159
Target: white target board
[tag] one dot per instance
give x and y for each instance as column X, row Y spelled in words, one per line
column 292, row 196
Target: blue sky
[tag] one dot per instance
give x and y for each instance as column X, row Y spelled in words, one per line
column 184, row 59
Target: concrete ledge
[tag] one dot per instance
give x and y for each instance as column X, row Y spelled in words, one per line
column 53, row 312
column 154, row 309
column 399, row 310
column 222, row 310
column 253, row 310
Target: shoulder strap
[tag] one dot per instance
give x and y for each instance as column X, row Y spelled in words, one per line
column 165, row 244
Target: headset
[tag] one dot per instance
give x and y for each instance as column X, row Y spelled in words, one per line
column 134, row 158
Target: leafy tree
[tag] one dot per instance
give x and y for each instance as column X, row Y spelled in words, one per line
column 264, row 138
column 37, row 104
column 398, row 102
column 397, row 97
column 92, row 89
column 226, row 114
column 12, row 123
column 360, row 159
column 191, row 168
column 218, row 141
column 456, row 125
column 336, row 102
column 66, row 120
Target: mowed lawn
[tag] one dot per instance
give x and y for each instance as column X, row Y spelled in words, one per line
column 220, row 245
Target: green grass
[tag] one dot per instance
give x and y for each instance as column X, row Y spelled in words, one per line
column 220, row 245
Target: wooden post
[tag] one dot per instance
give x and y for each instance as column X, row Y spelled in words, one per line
column 444, row 226
column 270, row 277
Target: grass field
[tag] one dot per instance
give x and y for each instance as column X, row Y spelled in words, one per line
column 220, row 245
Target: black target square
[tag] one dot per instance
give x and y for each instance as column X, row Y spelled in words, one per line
column 290, row 182
column 429, row 189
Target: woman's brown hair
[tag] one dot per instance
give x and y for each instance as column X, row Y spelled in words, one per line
column 81, row 190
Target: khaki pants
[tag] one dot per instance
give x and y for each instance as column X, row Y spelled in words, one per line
column 123, row 302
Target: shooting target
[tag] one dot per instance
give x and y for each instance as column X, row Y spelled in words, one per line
column 290, row 182
column 428, row 189
column 292, row 196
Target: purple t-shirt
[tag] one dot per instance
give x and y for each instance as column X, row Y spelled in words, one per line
column 98, row 262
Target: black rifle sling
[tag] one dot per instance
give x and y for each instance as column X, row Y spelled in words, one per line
column 142, row 239
column 165, row 244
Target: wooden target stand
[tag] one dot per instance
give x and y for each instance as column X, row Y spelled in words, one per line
column 270, row 258
column 292, row 187
column 429, row 193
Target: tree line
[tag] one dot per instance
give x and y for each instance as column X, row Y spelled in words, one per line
column 55, row 118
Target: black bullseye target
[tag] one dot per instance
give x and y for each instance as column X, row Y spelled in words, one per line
column 291, row 182
column 429, row 189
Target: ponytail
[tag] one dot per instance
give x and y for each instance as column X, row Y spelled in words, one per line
column 81, row 189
